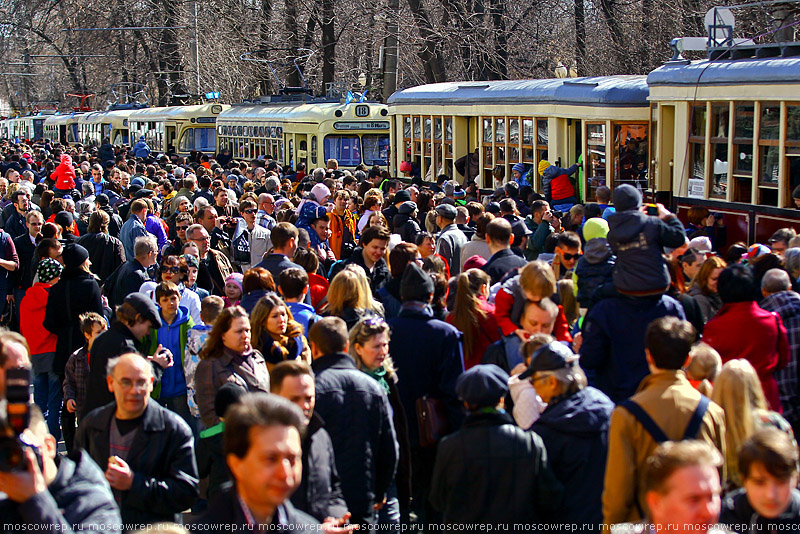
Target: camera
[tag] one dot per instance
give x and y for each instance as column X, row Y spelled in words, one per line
column 229, row 222
column 717, row 216
column 652, row 210
column 18, row 414
column 557, row 214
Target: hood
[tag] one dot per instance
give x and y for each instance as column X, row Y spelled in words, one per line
column 309, row 211
column 785, row 303
column 625, row 226
column 400, row 219
column 597, row 250
column 627, row 197
column 585, row 413
column 182, row 317
column 66, row 159
column 551, row 172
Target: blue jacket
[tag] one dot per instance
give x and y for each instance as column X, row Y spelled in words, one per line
column 637, row 239
column 575, row 433
column 595, row 269
column 132, row 229
column 304, row 314
column 141, row 150
column 612, row 353
column 428, row 355
column 359, row 420
column 174, row 337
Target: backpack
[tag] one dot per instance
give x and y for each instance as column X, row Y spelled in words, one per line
column 240, row 248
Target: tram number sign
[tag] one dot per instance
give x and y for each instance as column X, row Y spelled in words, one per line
column 362, row 111
column 366, row 125
column 206, row 120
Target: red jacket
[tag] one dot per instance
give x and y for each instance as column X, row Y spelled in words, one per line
column 64, row 175
column 31, row 319
column 318, row 287
column 744, row 330
column 486, row 333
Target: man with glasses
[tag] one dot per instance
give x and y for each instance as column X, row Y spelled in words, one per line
column 146, row 450
column 266, row 209
column 182, row 223
column 250, row 241
column 214, row 265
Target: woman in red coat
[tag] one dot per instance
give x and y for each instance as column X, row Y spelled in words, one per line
column 741, row 329
column 474, row 316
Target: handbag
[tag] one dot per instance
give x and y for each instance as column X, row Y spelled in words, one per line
column 431, row 420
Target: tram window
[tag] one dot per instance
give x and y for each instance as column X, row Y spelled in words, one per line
column 541, row 133
column 719, row 186
column 527, row 132
column 417, row 128
column 596, row 164
column 487, row 131
column 769, row 165
column 793, row 122
column 427, row 131
column 770, row 121
column 719, row 121
column 513, row 131
column 632, row 150
column 448, row 129
column 314, row 149
column 745, row 113
column 344, row 148
column 698, row 161
column 500, row 131
column 407, row 127
column 376, row 149
column 437, row 128
column 699, row 121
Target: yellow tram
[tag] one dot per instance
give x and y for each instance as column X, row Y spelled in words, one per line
column 178, row 129
column 93, row 127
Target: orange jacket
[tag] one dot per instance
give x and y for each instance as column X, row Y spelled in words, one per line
column 341, row 225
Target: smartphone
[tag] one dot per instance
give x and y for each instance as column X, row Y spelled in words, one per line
column 652, row 210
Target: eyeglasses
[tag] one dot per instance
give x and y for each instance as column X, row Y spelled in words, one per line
column 127, row 383
column 182, row 228
column 569, row 257
column 174, row 269
column 250, row 211
column 534, row 379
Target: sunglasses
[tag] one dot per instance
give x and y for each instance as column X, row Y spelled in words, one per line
column 170, row 269
column 184, row 227
column 375, row 322
column 250, row 211
column 569, row 257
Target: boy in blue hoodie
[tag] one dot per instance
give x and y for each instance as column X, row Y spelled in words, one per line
column 172, row 336
column 293, row 286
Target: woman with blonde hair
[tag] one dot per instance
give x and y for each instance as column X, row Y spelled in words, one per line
column 276, row 334
column 369, row 347
column 737, row 390
column 473, row 315
column 704, row 288
column 350, row 297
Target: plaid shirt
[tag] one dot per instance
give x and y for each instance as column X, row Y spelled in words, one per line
column 787, row 305
column 76, row 377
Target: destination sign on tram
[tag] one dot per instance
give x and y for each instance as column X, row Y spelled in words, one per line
column 366, row 125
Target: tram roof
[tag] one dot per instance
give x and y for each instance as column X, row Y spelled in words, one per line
column 174, row 112
column 614, row 91
column 727, row 72
column 298, row 112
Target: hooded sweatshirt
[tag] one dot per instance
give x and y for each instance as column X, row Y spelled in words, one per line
column 31, row 310
column 594, row 270
column 637, row 240
column 174, row 337
column 64, row 175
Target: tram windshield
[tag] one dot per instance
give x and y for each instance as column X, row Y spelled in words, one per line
column 376, row 149
column 202, row 139
column 345, row 149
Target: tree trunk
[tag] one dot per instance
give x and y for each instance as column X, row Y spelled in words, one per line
column 328, row 43
column 499, row 69
column 430, row 51
column 389, row 67
column 290, row 18
column 580, row 37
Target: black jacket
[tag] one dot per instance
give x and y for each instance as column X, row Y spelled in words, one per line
column 115, row 222
column 320, row 491
column 378, row 277
column 161, row 457
column 114, row 342
column 126, row 279
column 226, row 510
column 22, row 278
column 501, row 262
column 575, row 432
column 359, row 418
column 406, row 226
column 105, row 252
column 79, row 496
column 492, row 471
column 75, row 294
column 736, row 510
column 276, row 263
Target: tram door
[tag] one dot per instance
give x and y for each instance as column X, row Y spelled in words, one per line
column 575, row 151
column 169, row 138
column 301, row 151
column 792, row 177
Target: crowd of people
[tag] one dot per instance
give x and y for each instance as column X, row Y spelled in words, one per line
column 221, row 342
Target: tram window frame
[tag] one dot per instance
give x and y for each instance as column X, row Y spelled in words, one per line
column 590, row 189
column 769, row 153
column 487, row 149
column 743, row 124
column 617, row 127
column 719, row 141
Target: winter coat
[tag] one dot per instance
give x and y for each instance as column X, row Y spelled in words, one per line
column 105, row 252
column 406, row 227
column 556, row 184
column 75, row 293
column 389, row 295
column 637, row 239
column 612, row 354
column 484, row 334
column 106, row 152
column 78, row 498
column 738, row 512
column 226, row 510
column 359, row 419
column 64, row 175
column 670, row 400
column 476, row 247
column 31, row 319
column 787, row 305
column 276, row 263
column 133, row 228
column 115, row 341
column 320, row 491
column 250, row 372
column 574, row 430
column 161, row 457
column 595, row 269
column 428, row 355
column 491, row 471
column 709, row 303
column 744, row 330
column 140, row 149
column 126, row 279
column 258, row 242
column 251, row 298
column 22, row 278
column 448, row 245
column 501, row 262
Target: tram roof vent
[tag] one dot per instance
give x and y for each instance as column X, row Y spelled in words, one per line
column 482, row 86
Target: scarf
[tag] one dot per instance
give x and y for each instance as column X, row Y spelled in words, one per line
column 379, row 374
